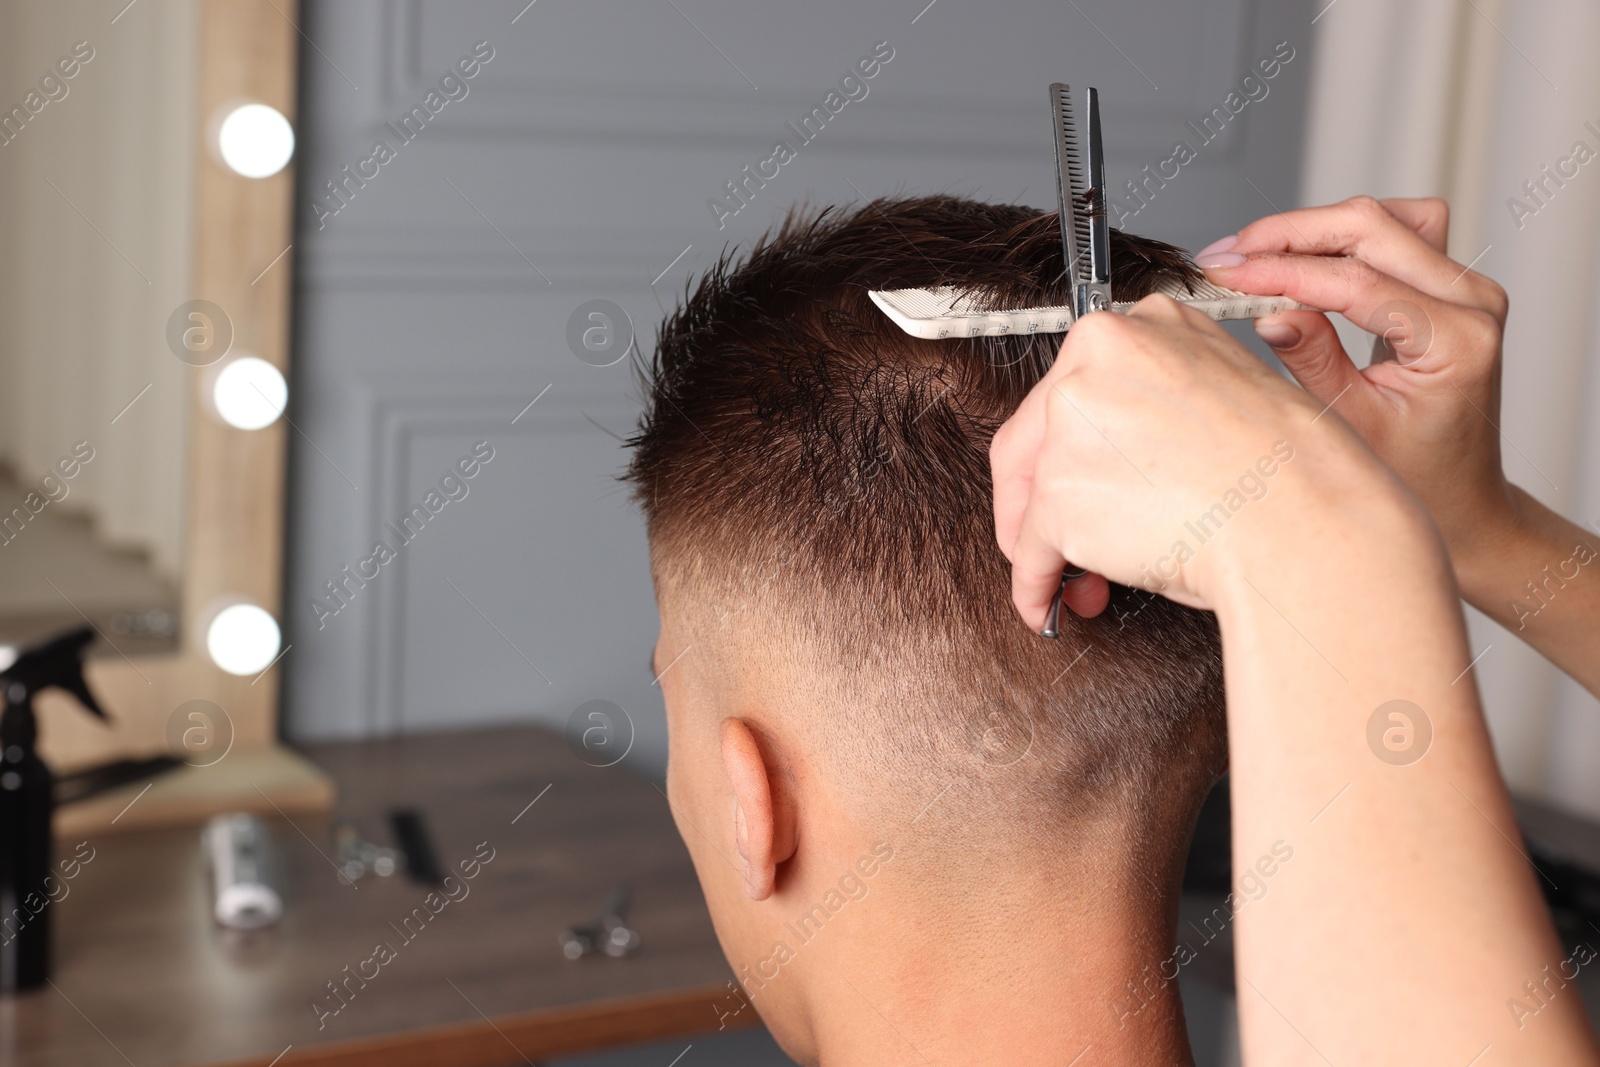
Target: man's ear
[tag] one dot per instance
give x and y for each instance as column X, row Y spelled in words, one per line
column 763, row 814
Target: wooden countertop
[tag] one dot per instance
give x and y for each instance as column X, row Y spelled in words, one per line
column 142, row 975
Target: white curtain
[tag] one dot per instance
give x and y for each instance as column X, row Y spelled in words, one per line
column 95, row 246
column 1469, row 99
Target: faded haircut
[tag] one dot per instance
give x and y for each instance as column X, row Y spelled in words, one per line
column 816, row 483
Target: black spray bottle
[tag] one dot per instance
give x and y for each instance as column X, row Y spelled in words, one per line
column 27, row 803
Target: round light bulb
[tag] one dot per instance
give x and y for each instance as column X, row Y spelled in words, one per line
column 255, row 140
column 249, row 393
column 243, row 639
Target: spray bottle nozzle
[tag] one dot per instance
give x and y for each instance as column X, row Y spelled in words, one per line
column 56, row 662
column 27, row 796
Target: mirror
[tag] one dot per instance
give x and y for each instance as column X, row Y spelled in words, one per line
column 146, row 171
column 96, row 187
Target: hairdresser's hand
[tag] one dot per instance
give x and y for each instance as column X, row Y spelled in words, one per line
column 1429, row 404
column 1338, row 615
column 1155, row 430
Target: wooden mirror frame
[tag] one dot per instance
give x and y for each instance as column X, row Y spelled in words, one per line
column 243, row 230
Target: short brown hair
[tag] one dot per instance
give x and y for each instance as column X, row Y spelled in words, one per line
column 799, row 450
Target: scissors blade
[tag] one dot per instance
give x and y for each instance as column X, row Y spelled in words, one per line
column 1096, row 295
column 1072, row 187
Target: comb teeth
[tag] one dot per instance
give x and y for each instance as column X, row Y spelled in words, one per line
column 1073, row 179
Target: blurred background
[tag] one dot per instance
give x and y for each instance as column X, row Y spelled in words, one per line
column 284, row 339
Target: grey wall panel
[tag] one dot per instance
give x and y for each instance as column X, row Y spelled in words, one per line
column 434, row 305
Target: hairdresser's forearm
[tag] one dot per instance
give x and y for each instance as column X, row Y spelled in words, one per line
column 1407, row 918
column 1539, row 577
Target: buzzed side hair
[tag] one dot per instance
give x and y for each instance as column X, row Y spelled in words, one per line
column 808, row 466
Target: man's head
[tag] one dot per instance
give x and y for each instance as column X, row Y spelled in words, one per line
column 844, row 671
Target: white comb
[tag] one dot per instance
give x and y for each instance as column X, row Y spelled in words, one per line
column 950, row 312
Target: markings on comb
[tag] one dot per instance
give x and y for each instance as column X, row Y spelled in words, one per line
column 937, row 313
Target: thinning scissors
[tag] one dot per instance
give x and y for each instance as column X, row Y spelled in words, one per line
column 1085, row 242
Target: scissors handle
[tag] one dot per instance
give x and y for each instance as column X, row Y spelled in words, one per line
column 1052, row 621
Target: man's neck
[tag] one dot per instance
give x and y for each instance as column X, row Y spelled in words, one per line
column 1034, row 968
